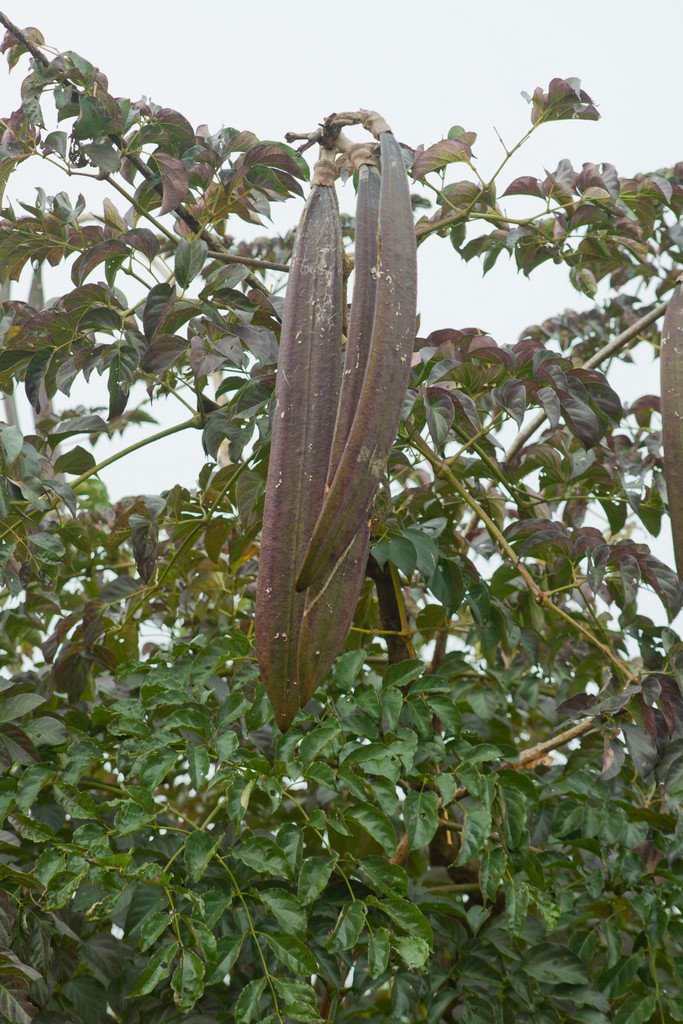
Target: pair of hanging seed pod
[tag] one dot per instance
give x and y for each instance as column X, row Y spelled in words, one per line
column 333, row 427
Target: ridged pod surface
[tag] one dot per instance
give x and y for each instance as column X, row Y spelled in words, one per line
column 330, row 607
column 672, row 415
column 306, row 397
column 386, row 376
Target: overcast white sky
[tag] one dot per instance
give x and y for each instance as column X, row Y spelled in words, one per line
column 275, row 66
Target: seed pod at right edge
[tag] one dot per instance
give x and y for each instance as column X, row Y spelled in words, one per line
column 330, row 605
column 671, row 367
column 386, row 375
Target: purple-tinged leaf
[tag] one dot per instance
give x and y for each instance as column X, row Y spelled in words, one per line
column 524, row 186
column 163, row 352
column 35, row 372
column 92, row 257
column 142, row 239
column 581, row 420
column 144, row 535
column 511, row 396
column 551, row 405
column 577, row 706
column 175, row 181
column 441, row 154
column 439, row 412
column 159, row 301
column 641, row 747
column 613, row 759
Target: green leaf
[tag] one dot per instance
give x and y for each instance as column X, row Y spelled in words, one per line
column 552, row 963
column 227, row 950
column 156, row 767
column 78, row 460
column 292, row 953
column 47, row 547
column 375, row 823
column 18, row 705
column 347, row 668
column 476, row 834
column 262, row 855
column 299, row 998
column 408, row 917
column 188, row 980
column 189, row 260
column 15, row 1003
column 131, row 818
column 349, row 925
column 316, row 740
column 198, row 851
column 402, row 673
column 156, row 970
column 314, row 876
column 516, row 904
column 378, row 952
column 152, row 927
column 198, row 764
column 414, row 951
column 287, row 910
column 389, row 879
column 421, row 817
column 247, row 1004
column 493, row 863
column 636, row 1009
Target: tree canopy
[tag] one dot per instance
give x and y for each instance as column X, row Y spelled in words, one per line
column 477, row 815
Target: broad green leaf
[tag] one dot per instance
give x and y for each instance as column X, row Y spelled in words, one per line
column 349, row 925
column 287, row 910
column 388, row 879
column 198, row 850
column 188, row 980
column 378, row 952
column 227, row 950
column 247, row 1004
column 198, row 764
column 413, row 950
column 347, row 667
column 477, row 832
column 316, row 740
column 156, row 970
column 292, row 953
column 262, row 855
column 189, row 260
column 20, row 704
column 516, row 904
column 376, row 824
column 493, row 863
column 553, row 963
column 314, row 876
column 152, row 927
column 408, row 917
column 636, row 1009
column 421, row 816
column 156, row 767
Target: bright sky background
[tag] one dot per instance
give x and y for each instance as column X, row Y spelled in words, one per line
column 277, row 66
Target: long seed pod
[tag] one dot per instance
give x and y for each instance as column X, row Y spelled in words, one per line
column 330, row 607
column 386, row 375
column 306, row 397
column 672, row 415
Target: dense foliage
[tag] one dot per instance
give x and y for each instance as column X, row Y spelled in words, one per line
column 434, row 839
